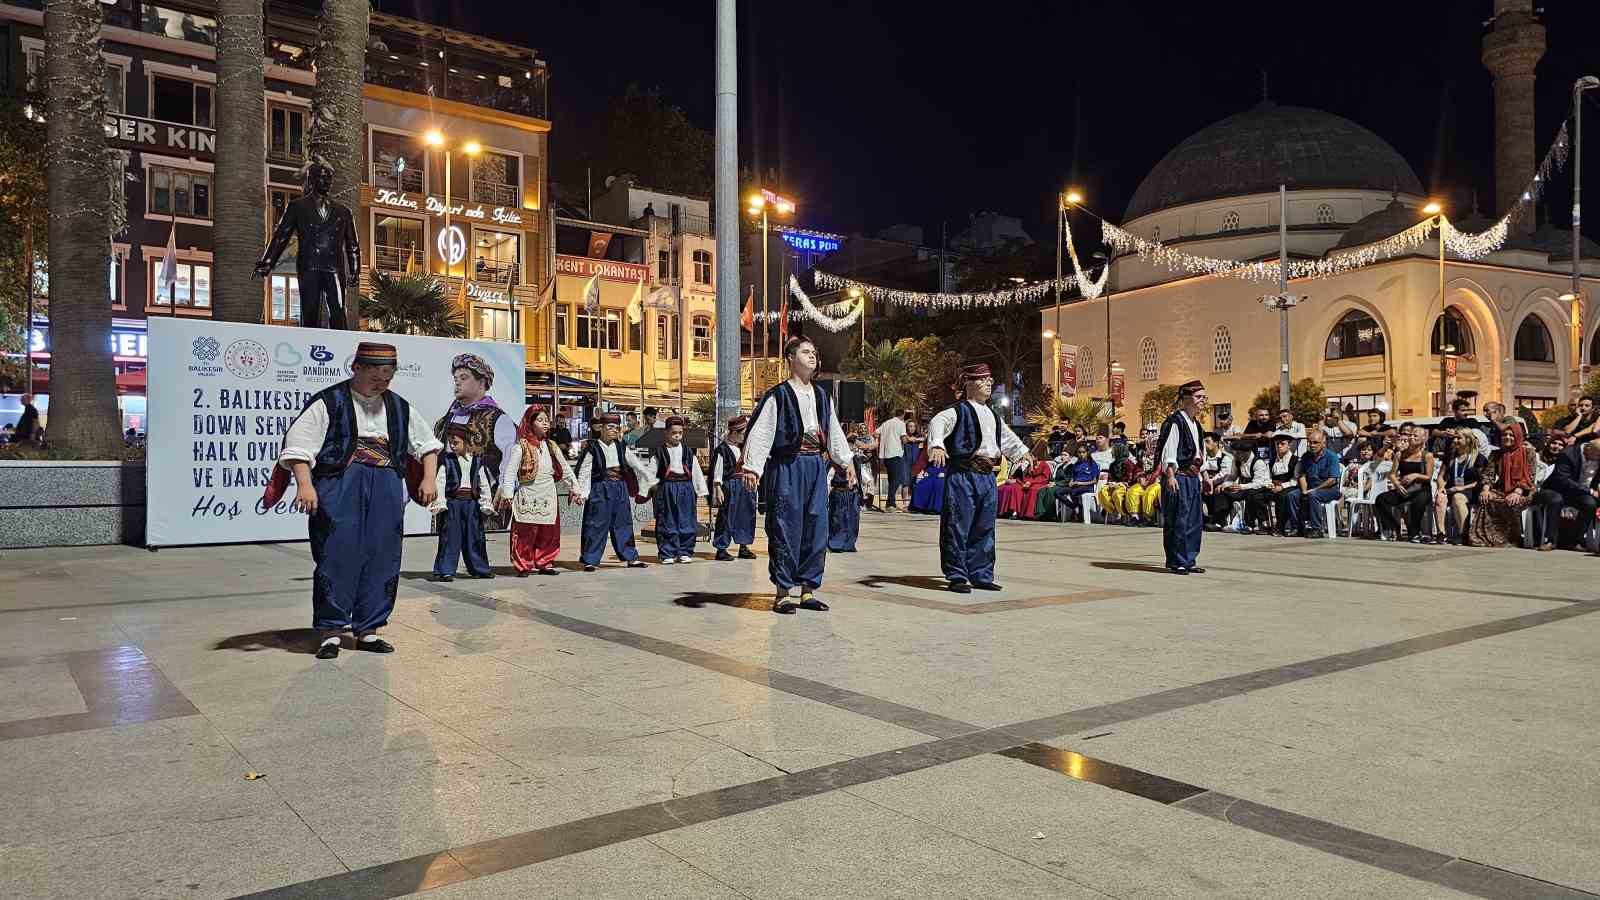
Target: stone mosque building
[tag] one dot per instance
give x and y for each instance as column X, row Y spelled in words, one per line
column 1371, row 336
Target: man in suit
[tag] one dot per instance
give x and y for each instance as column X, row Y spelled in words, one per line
column 1574, row 482
column 329, row 258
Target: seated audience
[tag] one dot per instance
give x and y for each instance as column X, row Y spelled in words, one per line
column 1462, row 470
column 1410, row 488
column 1119, row 475
column 1506, row 489
column 1283, row 467
column 1573, row 480
column 1316, row 484
column 1247, row 481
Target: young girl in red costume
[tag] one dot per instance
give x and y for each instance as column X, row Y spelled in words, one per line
column 533, row 469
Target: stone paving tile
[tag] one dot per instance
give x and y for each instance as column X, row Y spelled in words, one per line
column 625, row 871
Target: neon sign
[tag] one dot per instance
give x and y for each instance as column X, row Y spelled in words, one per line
column 810, row 242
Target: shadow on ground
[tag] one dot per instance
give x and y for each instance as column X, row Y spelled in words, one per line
column 1129, row 567
column 289, row 640
column 925, row 582
column 697, row 599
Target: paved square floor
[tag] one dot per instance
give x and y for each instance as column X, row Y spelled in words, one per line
column 1307, row 719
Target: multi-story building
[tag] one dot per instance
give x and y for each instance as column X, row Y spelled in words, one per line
column 477, row 94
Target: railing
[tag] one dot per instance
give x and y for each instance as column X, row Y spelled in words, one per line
column 403, row 61
column 288, row 54
column 398, row 260
column 408, row 180
column 178, row 24
column 488, row 271
column 495, row 193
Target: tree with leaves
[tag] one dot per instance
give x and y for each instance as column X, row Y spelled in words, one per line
column 412, row 304
column 648, row 137
column 1307, row 400
column 1158, row 403
column 904, row 374
column 24, row 228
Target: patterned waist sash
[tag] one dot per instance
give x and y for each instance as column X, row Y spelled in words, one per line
column 614, row 473
column 372, row 451
column 811, row 444
column 464, row 493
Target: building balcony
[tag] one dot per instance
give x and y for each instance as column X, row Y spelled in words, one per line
column 398, row 260
column 406, row 181
column 425, row 61
column 494, row 194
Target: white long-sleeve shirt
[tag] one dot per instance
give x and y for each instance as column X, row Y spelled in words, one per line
column 544, row 475
column 463, row 464
column 680, row 461
column 758, row 441
column 304, row 439
column 1169, row 447
column 1257, row 476
column 616, row 455
column 990, row 443
column 717, row 475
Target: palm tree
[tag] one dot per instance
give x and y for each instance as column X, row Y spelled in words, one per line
column 241, row 158
column 412, row 304
column 337, row 118
column 83, row 388
column 891, row 372
column 1071, row 412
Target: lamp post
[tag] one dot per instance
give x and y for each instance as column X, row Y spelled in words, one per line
column 1055, row 358
column 1447, row 352
column 1574, row 297
column 1436, row 209
column 758, row 207
column 435, row 138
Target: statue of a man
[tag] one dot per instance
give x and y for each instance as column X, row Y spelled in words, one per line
column 329, row 258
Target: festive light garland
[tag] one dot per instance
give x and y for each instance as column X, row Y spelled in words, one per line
column 835, row 317
column 1022, row 293
column 1091, row 288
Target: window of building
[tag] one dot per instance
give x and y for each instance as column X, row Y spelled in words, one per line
column 191, row 286
column 1533, row 341
column 495, row 179
column 397, row 162
column 1536, row 403
column 496, row 256
column 119, row 278
column 179, row 192
column 702, row 337
column 600, row 330
column 1361, row 402
column 180, row 101
column 1147, row 359
column 278, row 200
column 1085, row 367
column 1452, row 328
column 285, row 300
column 1324, row 214
column 562, row 313
column 116, row 88
column 702, row 267
column 1356, row 334
column 663, row 265
column 1221, row 350
column 286, row 131
column 636, row 335
column 180, row 25
column 1230, row 221
column 398, row 245
column 668, row 336
column 493, row 324
column 1155, row 233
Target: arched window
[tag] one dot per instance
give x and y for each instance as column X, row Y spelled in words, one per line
column 1452, row 328
column 1222, row 350
column 702, row 337
column 702, row 267
column 1085, row 367
column 1147, row 359
column 1356, row 334
column 1324, row 214
column 1155, row 233
column 1533, row 341
column 1594, row 350
column 1230, row 221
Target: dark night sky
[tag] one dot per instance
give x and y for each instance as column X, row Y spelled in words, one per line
column 890, row 112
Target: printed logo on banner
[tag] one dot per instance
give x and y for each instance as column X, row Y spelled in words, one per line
column 206, row 349
column 407, row 370
column 321, row 353
column 246, row 358
column 285, row 355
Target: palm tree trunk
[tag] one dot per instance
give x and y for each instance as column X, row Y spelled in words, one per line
column 83, row 390
column 241, row 159
column 337, row 118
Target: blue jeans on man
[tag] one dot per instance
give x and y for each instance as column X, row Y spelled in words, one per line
column 1317, row 498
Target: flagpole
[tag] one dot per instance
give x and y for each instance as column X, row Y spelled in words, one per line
column 640, row 348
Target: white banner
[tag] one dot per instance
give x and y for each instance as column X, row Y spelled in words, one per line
column 221, row 396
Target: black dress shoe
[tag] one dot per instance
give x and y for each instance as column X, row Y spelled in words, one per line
column 328, row 651
column 443, row 578
column 810, row 601
column 1197, row 570
column 784, row 605
column 484, row 575
column 960, row 587
column 549, row 570
column 723, row 556
column 746, row 553
column 1178, row 570
column 588, row 568
column 638, row 564
column 986, row 586
column 522, row 574
column 377, row 645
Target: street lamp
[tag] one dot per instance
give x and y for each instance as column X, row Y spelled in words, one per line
column 759, row 202
column 1436, row 209
column 1069, row 197
column 435, row 138
column 1574, row 297
column 1055, row 358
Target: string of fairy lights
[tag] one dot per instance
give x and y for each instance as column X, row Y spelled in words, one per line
column 1463, row 244
column 834, row 317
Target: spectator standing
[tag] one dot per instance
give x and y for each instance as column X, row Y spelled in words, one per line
column 892, row 455
column 1058, row 439
column 914, row 441
column 27, row 428
column 1260, row 424
column 1226, row 427
column 1375, row 423
column 1316, row 484
column 1506, row 489
column 635, row 429
column 1410, row 488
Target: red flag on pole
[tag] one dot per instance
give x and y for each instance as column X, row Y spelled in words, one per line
column 783, row 322
column 747, row 319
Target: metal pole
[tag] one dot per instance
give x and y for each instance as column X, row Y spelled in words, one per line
column 27, row 276
column 727, row 227
column 1061, row 219
column 1444, row 403
column 1576, row 314
column 766, row 304
column 1283, row 297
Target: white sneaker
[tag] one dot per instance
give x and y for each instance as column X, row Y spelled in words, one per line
column 685, row 559
column 667, row 560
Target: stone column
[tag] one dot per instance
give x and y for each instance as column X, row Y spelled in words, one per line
column 1511, row 50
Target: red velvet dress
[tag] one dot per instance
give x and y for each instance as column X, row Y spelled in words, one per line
column 1038, row 480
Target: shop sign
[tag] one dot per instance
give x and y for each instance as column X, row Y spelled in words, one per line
column 607, row 269
column 163, row 137
column 487, row 295
column 127, row 344
column 811, row 242
column 500, row 215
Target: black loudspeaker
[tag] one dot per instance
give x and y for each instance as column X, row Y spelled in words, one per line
column 852, row 401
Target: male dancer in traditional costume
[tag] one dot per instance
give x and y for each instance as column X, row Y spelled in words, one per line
column 786, row 454
column 736, row 505
column 465, row 496
column 528, row 483
column 607, row 482
column 676, row 485
column 971, row 437
column 349, row 451
column 1182, row 508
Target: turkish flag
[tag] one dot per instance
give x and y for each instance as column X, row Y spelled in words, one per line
column 598, row 242
column 747, row 319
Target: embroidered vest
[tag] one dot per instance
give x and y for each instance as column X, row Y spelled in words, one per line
column 1188, row 453
column 790, row 427
column 730, row 465
column 452, row 477
column 597, row 460
column 967, row 437
column 340, row 443
column 480, row 436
